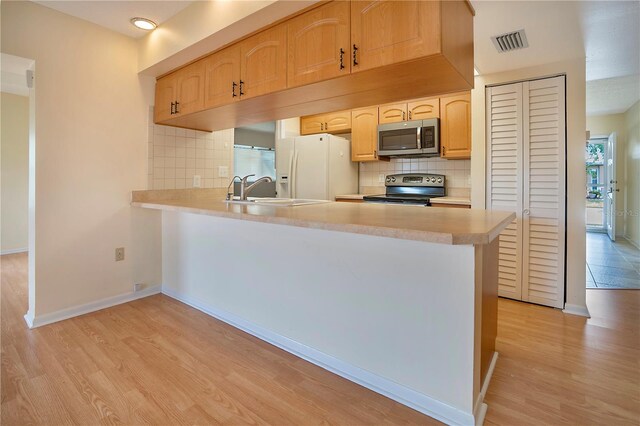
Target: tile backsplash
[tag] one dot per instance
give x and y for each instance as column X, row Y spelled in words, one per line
column 457, row 172
column 176, row 155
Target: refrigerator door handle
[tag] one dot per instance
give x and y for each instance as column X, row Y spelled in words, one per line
column 290, row 174
column 293, row 191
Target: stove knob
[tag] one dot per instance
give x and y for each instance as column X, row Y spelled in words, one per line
column 393, row 179
column 433, row 180
column 439, row 180
column 388, row 179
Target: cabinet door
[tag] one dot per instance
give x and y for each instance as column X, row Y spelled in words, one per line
column 455, row 126
column 387, row 31
column 166, row 94
column 312, row 124
column 423, row 109
column 263, row 62
column 337, row 122
column 222, row 71
column 392, row 113
column 190, row 94
column 316, row 40
column 364, row 134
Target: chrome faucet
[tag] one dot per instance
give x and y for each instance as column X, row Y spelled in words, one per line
column 229, row 191
column 245, row 190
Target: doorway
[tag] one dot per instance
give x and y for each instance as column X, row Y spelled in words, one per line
column 596, row 186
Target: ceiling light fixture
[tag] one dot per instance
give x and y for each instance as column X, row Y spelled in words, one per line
column 144, row 23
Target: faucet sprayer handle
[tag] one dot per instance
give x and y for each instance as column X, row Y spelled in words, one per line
column 229, row 193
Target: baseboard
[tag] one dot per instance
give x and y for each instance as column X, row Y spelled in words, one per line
column 576, row 310
column 14, row 251
column 418, row 401
column 633, row 243
column 39, row 321
column 480, row 410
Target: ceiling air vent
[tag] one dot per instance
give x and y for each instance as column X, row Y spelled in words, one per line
column 510, row 41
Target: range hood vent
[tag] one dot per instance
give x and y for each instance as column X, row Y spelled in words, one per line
column 510, row 41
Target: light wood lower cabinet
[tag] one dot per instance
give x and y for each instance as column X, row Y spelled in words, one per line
column 455, row 126
column 318, row 44
column 364, row 134
column 455, row 206
column 263, row 63
column 333, row 122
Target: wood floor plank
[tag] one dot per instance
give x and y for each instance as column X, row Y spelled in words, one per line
column 158, row 361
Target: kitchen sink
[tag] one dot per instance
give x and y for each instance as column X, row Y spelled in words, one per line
column 276, row 202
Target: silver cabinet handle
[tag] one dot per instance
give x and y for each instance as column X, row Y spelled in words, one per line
column 526, row 212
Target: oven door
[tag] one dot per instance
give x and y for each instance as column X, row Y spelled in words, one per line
column 400, row 138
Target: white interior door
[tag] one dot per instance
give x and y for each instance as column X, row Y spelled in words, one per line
column 610, row 200
column 543, row 209
column 504, row 180
column 526, row 175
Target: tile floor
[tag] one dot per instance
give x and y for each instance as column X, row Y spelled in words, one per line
column 612, row 265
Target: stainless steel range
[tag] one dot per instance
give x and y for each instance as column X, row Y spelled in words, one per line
column 410, row 188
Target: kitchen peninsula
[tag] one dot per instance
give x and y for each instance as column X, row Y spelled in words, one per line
column 400, row 299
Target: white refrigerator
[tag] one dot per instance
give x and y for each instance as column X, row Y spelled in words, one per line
column 317, row 167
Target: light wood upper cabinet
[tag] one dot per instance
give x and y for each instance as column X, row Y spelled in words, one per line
column 263, row 62
column 190, row 88
column 337, row 122
column 423, row 109
column 166, row 95
column 387, row 31
column 332, row 122
column 181, row 92
column 455, row 126
column 312, row 124
column 318, row 44
column 222, row 77
column 364, row 134
column 392, row 113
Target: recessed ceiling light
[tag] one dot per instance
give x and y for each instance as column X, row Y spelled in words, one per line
column 144, row 23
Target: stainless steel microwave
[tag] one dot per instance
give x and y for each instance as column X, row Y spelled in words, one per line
column 418, row 138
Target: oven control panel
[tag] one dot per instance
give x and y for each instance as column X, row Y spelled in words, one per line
column 415, row 179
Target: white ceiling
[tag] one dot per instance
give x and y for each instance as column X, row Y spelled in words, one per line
column 606, row 32
column 116, row 15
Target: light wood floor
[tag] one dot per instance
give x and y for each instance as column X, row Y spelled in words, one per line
column 161, row 362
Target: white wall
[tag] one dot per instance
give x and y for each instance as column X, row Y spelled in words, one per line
column 604, row 125
column 632, row 213
column 576, row 128
column 14, row 193
column 398, row 324
column 90, row 152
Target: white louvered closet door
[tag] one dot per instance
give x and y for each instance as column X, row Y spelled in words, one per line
column 544, row 191
column 504, row 180
column 526, row 175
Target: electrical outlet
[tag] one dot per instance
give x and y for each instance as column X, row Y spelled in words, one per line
column 223, row 171
column 138, row 287
column 381, row 178
column 119, row 254
column 197, row 181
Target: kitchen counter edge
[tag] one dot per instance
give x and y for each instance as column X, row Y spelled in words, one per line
column 341, row 217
